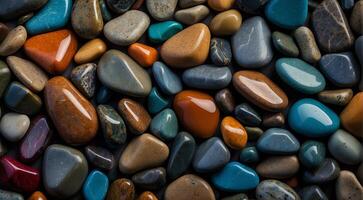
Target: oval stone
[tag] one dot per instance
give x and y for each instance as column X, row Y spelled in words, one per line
column 247, row 115
column 233, row 133
column 165, row 125
column 278, row 167
column 95, row 186
column 90, row 51
column 336, row 97
column 192, row 15
column 13, row 41
column 161, row 10
column 274, row 189
column 150, row 179
column 307, row 44
column 312, row 154
column 352, row 117
column 167, row 80
column 226, row 23
column 84, row 79
column 278, row 141
column 285, row 44
column 159, row 32
column 225, row 101
column 135, row 115
column 13, row 126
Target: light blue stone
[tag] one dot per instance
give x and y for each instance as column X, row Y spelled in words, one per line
column 96, row 185
column 300, row 75
column 156, row 102
column 249, row 155
column 159, row 32
column 167, row 80
column 311, row 118
column 287, row 14
column 235, row 177
column 54, row 15
column 278, row 141
column 165, row 125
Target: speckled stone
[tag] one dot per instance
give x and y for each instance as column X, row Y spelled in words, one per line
column 220, row 51
column 161, row 10
column 166, row 79
column 278, row 141
column 120, row 7
column 8, row 195
column 336, row 97
column 13, row 41
column 121, row 189
column 225, row 101
column 356, row 17
column 312, row 154
column 5, row 77
column 190, row 3
column 327, row 171
column 84, row 78
column 275, row 190
column 192, row 15
column 13, row 126
column 306, row 41
column 278, row 167
column 150, row 179
column 284, row 44
column 240, row 196
column 348, row 187
column 312, row 192
column 99, row 157
column 247, row 115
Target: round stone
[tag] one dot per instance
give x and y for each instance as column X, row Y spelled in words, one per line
column 13, row 41
column 136, row 117
column 95, row 186
column 161, row 10
column 121, row 189
column 13, row 126
column 233, row 133
column 278, row 167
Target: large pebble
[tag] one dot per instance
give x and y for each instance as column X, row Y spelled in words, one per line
column 226, row 23
column 351, row 117
column 135, row 115
column 84, row 78
column 121, row 189
column 87, row 20
column 220, row 51
column 275, row 190
column 278, row 167
column 165, row 125
column 327, row 171
column 16, row 8
column 13, row 126
column 278, row 141
column 166, row 79
column 161, row 10
column 13, row 41
column 312, row 154
column 347, row 186
column 284, row 44
column 192, row 15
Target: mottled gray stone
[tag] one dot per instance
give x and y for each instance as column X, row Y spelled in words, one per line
column 161, row 10
column 275, row 190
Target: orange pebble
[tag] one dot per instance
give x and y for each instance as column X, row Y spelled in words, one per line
column 143, row 54
column 234, row 134
column 292, row 182
column 220, row 5
column 147, row 196
column 37, row 196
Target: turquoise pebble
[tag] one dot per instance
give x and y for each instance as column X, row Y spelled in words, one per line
column 54, row 15
column 165, row 125
column 235, row 177
column 249, row 155
column 96, row 185
column 156, row 102
column 300, row 75
column 287, row 14
column 278, row 141
column 311, row 118
column 312, row 154
column 159, row 32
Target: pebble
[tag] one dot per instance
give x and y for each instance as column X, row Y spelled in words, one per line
column 190, row 3
column 162, row 31
column 278, row 167
column 145, row 55
column 211, row 155
column 306, row 41
column 251, row 44
column 340, row 97
column 341, row 69
column 84, row 79
column 247, row 115
column 14, row 9
column 220, row 5
column 147, row 195
column 3, row 148
column 233, row 133
column 220, row 52
column 121, row 189
column 249, row 155
column 5, row 77
column 284, row 44
column 95, row 186
column 358, row 51
column 347, row 186
column 351, row 117
column 181, row 154
column 143, row 152
column 37, row 195
column 356, row 17
column 25, row 18
column 64, row 170
column 226, row 23
column 165, row 125
column 331, row 27
column 54, row 15
column 347, row 4
column 13, row 126
column 166, row 79
column 151, row 179
column 312, row 154
column 8, row 195
column 127, row 28
column 156, row 102
column 99, row 157
column 188, row 48
column 13, row 41
column 311, row 118
column 300, row 75
column 312, row 192
column 273, row 120
column 240, row 196
column 275, row 190
column 278, row 141
column 103, row 94
column 136, row 117
column 239, row 176
column 225, row 101
column 161, row 10
column 44, row 48
column 192, row 15
column 268, row 96
column 193, row 109
column 345, row 148
column 327, row 171
column 87, row 19
column 82, row 126
column 120, row 7
column 90, row 51
column 122, row 74
column 106, row 14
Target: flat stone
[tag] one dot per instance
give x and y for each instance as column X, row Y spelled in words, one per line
column 300, row 75
column 54, row 15
column 347, row 186
column 211, row 155
column 351, row 117
column 87, row 19
column 190, row 187
column 225, row 101
column 345, row 148
column 165, row 125
column 208, row 77
column 162, row 31
column 13, row 41
column 233, row 133
column 166, row 79
column 220, row 52
column 273, row 120
column 121, row 189
column 13, row 126
column 95, row 186
column 156, row 102
column 150, row 179
column 331, row 27
column 187, row 48
column 311, row 118
column 84, row 79
column 5, row 77
column 356, row 17
column 161, row 10
column 284, row 44
column 275, row 190
column 28, row 73
column 220, row 5
column 120, row 7
column 278, row 167
column 127, row 28
column 82, row 126
column 190, row 3
column 8, row 195
column 90, row 51
column 14, row 9
column 327, row 171
column 278, row 141
column 268, row 96
column 122, row 74
column 247, row 115
column 136, row 117
column 64, row 170
column 336, row 97
column 143, row 54
column 312, row 192
column 249, row 155
column 143, row 152
column 99, row 157
column 251, row 44
column 192, row 15
column 226, row 23
column 312, row 154
column 306, row 41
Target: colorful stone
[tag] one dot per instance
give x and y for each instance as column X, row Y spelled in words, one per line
column 143, row 54
column 351, row 116
column 226, row 23
column 166, row 79
column 37, row 195
column 95, row 186
column 90, row 51
column 162, row 31
column 156, row 102
column 136, row 117
column 121, row 189
column 233, row 133
column 220, row 5
column 165, row 125
column 312, row 154
column 278, row 141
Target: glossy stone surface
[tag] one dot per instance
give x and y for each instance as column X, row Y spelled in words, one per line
column 37, row 195
column 220, row 52
column 156, row 102
column 14, row 9
column 233, row 133
column 121, row 189
column 249, row 155
column 312, row 154
column 274, row 189
column 347, row 186
column 336, row 97
column 167, row 80
column 13, row 41
column 13, row 126
column 165, row 125
column 225, row 101
column 4, row 194
column 95, row 186
column 82, row 126
column 278, row 141
column 99, row 157
column 306, row 41
column 151, row 179
column 134, row 114
column 284, row 44
column 351, row 117
column 356, row 17
column 312, row 192
column 5, row 77
column 162, row 31
column 120, row 7
column 84, row 79
column 226, row 23
column 260, row 90
column 327, row 171
column 90, row 51
column 247, row 115
column 251, row 44
column 220, row 5
column 272, row 120
column 278, row 167
column 239, row 176
column 192, row 15
column 311, row 118
column 143, row 54
column 161, row 10
column 194, row 109
column 147, row 195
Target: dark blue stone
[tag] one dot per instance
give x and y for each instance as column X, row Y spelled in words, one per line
column 347, row 4
column 312, row 192
column 247, row 115
column 249, row 155
column 278, row 141
column 166, row 79
column 329, row 170
column 103, row 95
column 220, row 52
column 151, row 179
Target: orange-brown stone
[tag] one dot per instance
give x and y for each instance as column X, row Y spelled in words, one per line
column 90, row 51
column 73, row 115
column 37, row 196
column 53, row 51
column 147, row 196
column 145, row 55
column 220, row 5
column 135, row 115
column 121, row 189
column 234, row 134
column 352, row 116
column 197, row 112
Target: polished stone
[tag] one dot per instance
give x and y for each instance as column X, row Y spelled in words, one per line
column 226, row 23
column 220, row 5
column 166, row 79
column 150, row 179
column 192, row 15
column 84, row 78
column 312, row 192
column 285, row 44
column 273, row 120
column 99, row 157
column 143, row 54
column 278, row 167
column 233, row 133
column 156, row 102
column 225, row 101
column 13, row 41
column 135, row 116
column 121, row 189
column 165, row 125
column 278, row 141
column 312, row 154
column 13, row 126
column 90, row 51
column 247, row 115
column 249, row 155
column 306, row 41
column 327, row 171
column 220, row 52
column 162, row 31
column 340, row 97
column 87, row 19
column 95, row 186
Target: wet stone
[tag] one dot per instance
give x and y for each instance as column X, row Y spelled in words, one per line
column 166, row 79
column 306, row 41
column 99, row 157
column 284, row 44
column 312, row 192
column 84, row 78
column 156, row 102
column 135, row 116
column 151, row 179
column 95, row 186
column 165, row 125
column 351, row 117
column 225, row 101
column 312, row 154
column 278, row 141
column 327, row 171
column 121, row 189
column 13, row 126
column 336, row 97
column 220, row 52
column 247, row 115
column 226, row 23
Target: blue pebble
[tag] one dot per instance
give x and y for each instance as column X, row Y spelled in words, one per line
column 278, row 141
column 103, row 95
column 165, row 125
column 159, row 32
column 54, row 15
column 167, row 80
column 312, row 154
column 249, row 155
column 311, row 118
column 347, row 4
column 156, row 102
column 96, row 185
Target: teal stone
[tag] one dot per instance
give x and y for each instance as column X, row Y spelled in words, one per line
column 287, row 14
column 54, row 15
column 249, row 155
column 96, row 185
column 159, row 32
column 106, row 14
column 300, row 75
column 165, row 125
column 235, row 177
column 278, row 141
column 156, row 102
column 311, row 118
column 5, row 76
column 312, row 154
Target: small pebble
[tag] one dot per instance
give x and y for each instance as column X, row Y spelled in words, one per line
column 226, row 23
column 192, row 15
column 336, row 97
column 306, row 41
column 284, row 44
column 13, row 126
column 220, row 52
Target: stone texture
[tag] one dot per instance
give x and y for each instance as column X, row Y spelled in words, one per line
column 99, row 157
column 339, row 97
column 190, row 3
column 13, row 41
column 351, row 117
column 225, row 101
column 13, row 126
column 233, row 133
column 136, row 117
column 161, row 10
column 312, row 154
column 121, row 189
column 84, row 79
column 120, row 7
column 285, row 44
column 14, row 9
column 278, row 167
column 165, row 125
column 356, row 21
column 192, row 15
column 87, row 19
column 307, row 44
column 275, row 190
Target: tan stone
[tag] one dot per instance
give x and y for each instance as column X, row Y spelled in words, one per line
column 13, row 41
column 278, row 167
column 90, row 51
column 347, row 186
column 226, row 23
column 192, row 15
column 351, row 117
column 306, row 41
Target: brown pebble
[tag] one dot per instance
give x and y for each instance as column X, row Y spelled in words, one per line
column 273, row 120
column 13, row 41
column 121, row 189
column 336, row 97
column 253, row 133
column 225, row 101
column 226, row 23
column 135, row 115
column 351, row 117
column 220, row 5
column 90, row 51
column 356, row 18
column 278, row 167
column 348, row 187
column 147, row 196
column 307, row 44
column 4, row 30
